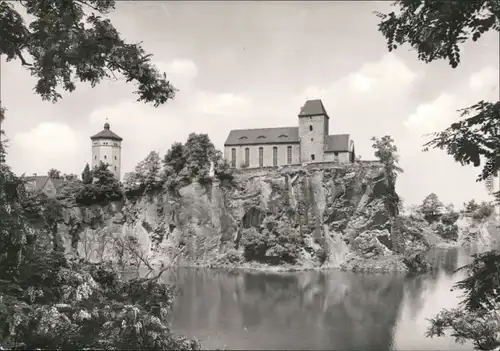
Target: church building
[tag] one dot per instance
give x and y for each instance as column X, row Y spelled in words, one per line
column 307, row 143
column 106, row 147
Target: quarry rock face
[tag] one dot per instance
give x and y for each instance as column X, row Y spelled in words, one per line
column 337, row 211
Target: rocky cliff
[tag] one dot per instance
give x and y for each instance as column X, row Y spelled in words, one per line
column 336, row 216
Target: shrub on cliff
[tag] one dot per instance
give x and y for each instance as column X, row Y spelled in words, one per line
column 274, row 243
column 145, row 177
column 483, row 211
column 104, row 187
column 195, row 161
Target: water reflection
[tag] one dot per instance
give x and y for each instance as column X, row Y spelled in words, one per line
column 314, row 310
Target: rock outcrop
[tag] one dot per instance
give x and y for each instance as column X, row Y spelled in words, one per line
column 338, row 213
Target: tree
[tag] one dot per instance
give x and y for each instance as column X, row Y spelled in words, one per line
column 64, row 44
column 54, row 173
column 87, row 175
column 431, row 208
column 435, row 30
column 146, row 174
column 199, row 152
column 386, row 152
column 102, row 175
column 174, row 158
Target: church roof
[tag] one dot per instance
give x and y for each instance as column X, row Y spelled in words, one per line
column 106, row 134
column 338, row 143
column 313, row 108
column 286, row 135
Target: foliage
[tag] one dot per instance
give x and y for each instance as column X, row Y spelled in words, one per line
column 471, row 206
column 431, row 208
column 483, row 211
column 194, row 161
column 54, row 173
column 436, row 30
column 146, row 175
column 198, row 153
column 50, row 302
column 478, row 317
column 447, row 231
column 87, row 175
column 275, row 243
column 64, row 44
column 104, row 187
column 386, row 152
column 174, row 158
column 450, row 217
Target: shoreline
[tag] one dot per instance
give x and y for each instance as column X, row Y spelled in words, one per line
column 392, row 264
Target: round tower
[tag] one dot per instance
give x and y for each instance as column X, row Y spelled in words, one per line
column 106, row 147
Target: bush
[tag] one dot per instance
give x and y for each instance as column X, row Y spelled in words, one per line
column 450, row 218
column 91, row 194
column 273, row 244
column 448, row 232
column 483, row 211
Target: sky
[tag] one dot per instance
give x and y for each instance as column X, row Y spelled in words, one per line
column 253, row 65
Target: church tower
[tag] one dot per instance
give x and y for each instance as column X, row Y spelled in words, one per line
column 313, row 131
column 106, row 147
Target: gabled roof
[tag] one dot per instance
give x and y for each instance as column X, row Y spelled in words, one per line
column 337, row 143
column 286, row 135
column 106, row 134
column 39, row 181
column 313, row 108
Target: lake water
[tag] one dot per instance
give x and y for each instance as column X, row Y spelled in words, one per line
column 316, row 310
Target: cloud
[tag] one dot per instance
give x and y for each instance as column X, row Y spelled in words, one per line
column 47, row 144
column 485, row 80
column 181, row 72
column 383, row 82
column 433, row 116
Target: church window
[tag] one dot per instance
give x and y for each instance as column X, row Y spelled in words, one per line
column 233, row 157
column 275, row 156
column 115, row 157
column 312, row 157
column 115, row 168
column 310, row 128
column 247, row 157
column 261, row 156
column 312, row 139
column 289, row 155
column 105, row 157
column 95, row 157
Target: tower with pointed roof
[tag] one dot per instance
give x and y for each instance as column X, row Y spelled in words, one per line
column 313, row 131
column 106, row 147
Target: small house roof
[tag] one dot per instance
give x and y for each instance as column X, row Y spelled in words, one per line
column 337, row 143
column 284, row 135
column 106, row 133
column 39, row 181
